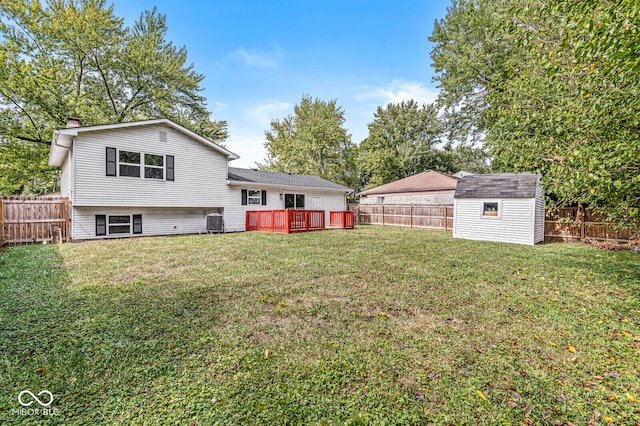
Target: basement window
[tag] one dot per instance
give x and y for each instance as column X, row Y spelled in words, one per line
column 118, row 224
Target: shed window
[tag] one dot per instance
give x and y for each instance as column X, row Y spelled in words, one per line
column 490, row 209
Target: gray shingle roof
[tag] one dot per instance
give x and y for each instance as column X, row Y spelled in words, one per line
column 502, row 185
column 278, row 178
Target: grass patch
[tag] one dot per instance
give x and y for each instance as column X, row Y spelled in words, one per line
column 378, row 325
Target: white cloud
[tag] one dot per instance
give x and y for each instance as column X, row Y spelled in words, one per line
column 249, row 147
column 263, row 113
column 396, row 92
column 257, row 59
column 218, row 107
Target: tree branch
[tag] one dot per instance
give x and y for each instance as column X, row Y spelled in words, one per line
column 28, row 139
column 25, row 113
column 106, row 84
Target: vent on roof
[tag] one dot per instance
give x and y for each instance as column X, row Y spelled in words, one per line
column 163, row 136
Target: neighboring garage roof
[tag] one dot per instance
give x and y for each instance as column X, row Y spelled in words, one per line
column 425, row 181
column 238, row 175
column 501, row 185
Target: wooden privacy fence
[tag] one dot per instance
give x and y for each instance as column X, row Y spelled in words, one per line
column 412, row 216
column 33, row 220
column 577, row 223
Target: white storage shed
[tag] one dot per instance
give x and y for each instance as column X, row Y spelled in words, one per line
column 505, row 207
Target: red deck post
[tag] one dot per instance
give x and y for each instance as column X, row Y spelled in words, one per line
column 287, row 223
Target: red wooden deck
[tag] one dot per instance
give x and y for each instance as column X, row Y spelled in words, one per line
column 289, row 221
column 343, row 219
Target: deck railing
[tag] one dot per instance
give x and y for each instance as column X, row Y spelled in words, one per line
column 286, row 221
column 341, row 219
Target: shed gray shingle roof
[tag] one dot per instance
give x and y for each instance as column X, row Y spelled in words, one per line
column 279, row 178
column 502, row 185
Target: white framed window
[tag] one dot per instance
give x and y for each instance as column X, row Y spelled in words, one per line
column 254, row 197
column 118, row 224
column 128, row 163
column 153, row 166
column 121, row 163
column 491, row 209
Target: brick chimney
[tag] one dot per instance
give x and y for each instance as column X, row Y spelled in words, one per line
column 73, row 122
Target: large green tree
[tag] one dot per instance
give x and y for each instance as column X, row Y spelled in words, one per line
column 571, row 110
column 312, row 141
column 75, row 57
column 470, row 55
column 402, row 142
column 551, row 86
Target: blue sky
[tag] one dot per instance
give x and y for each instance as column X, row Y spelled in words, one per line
column 260, row 57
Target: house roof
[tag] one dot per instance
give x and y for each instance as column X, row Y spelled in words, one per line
column 238, row 175
column 429, row 180
column 63, row 138
column 501, row 185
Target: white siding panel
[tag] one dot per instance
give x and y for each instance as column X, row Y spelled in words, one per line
column 513, row 226
column 200, row 171
column 155, row 221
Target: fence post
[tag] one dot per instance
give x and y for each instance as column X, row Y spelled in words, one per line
column 287, row 222
column 382, row 214
column 411, row 216
column 446, row 217
column 583, row 231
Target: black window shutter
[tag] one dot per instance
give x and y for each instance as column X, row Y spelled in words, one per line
column 101, row 224
column 264, row 197
column 170, row 167
column 111, row 161
column 244, row 197
column 137, row 224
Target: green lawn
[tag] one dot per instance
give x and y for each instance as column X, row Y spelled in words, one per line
column 378, row 325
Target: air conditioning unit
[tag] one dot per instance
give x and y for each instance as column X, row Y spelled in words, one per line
column 215, row 223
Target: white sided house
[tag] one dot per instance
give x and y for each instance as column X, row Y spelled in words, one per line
column 156, row 177
column 506, row 207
